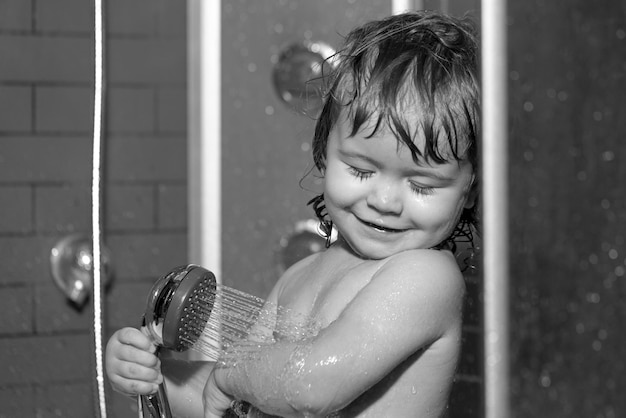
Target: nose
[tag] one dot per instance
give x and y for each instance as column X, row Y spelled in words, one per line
column 385, row 197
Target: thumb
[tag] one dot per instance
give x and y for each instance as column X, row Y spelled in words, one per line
column 153, row 344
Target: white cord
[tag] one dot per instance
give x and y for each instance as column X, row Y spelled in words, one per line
column 95, row 206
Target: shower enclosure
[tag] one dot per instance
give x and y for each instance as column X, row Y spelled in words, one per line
column 567, row 250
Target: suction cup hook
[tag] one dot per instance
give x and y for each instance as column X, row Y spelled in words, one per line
column 305, row 239
column 71, row 262
column 299, row 75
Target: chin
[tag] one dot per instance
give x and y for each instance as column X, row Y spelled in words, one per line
column 375, row 252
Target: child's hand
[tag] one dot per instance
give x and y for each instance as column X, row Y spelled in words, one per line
column 131, row 363
column 216, row 402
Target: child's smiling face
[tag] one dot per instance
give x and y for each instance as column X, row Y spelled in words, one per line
column 381, row 201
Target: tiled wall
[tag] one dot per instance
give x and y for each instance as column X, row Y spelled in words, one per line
column 46, row 90
column 46, row 95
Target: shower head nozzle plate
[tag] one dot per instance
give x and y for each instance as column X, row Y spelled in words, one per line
column 179, row 306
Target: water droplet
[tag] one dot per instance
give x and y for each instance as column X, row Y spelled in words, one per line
column 545, row 380
column 529, row 156
column 608, row 156
column 528, row 106
column 593, row 297
column 580, row 328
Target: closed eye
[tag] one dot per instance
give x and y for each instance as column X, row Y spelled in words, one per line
column 359, row 174
column 422, row 190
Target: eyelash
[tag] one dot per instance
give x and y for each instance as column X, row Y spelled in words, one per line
column 418, row 190
column 360, row 174
column 422, row 191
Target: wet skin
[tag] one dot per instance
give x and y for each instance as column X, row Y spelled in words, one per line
column 382, row 201
column 387, row 307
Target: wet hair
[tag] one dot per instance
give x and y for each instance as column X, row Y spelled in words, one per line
column 413, row 66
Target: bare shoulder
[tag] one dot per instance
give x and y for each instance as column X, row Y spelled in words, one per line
column 430, row 276
column 423, row 262
column 293, row 274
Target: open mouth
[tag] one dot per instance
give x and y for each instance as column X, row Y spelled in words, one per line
column 381, row 228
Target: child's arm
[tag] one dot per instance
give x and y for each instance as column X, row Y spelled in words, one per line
column 410, row 303
column 184, row 383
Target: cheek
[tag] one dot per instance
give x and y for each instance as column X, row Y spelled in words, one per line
column 340, row 190
column 442, row 213
column 455, row 208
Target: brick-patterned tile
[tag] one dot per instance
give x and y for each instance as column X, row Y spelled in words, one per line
column 54, row 312
column 54, row 16
column 149, row 255
column 17, row 401
column 17, row 209
column 16, row 15
column 15, row 109
column 74, row 400
column 131, row 110
column 45, row 360
column 150, row 159
column 46, row 59
column 16, row 310
column 172, row 206
column 172, row 18
column 130, row 207
column 64, row 109
column 126, row 303
column 147, row 60
column 135, row 17
column 172, row 109
column 25, row 259
column 63, row 208
column 45, row 159
column 46, row 101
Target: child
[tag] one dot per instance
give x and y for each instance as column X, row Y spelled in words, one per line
column 396, row 144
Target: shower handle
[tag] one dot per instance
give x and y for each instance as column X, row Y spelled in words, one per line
column 155, row 405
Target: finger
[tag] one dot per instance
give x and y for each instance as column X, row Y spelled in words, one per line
column 134, row 371
column 145, row 331
column 133, row 387
column 136, row 338
column 145, row 358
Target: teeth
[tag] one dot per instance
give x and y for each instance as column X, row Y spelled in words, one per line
column 381, row 228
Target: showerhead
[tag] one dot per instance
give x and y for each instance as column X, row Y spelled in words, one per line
column 179, row 306
column 177, row 314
